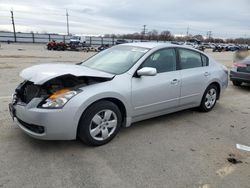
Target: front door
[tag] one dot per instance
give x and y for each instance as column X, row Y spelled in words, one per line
column 162, row 91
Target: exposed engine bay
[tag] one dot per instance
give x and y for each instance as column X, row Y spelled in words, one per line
column 27, row 90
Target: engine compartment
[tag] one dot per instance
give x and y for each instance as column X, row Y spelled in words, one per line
column 27, row 90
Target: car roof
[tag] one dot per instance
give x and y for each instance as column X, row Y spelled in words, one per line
column 158, row 45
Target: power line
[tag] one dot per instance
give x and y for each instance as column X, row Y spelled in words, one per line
column 13, row 23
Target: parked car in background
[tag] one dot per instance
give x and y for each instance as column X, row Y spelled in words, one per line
column 195, row 45
column 78, row 39
column 114, row 88
column 177, row 42
column 218, row 48
column 103, row 47
column 199, row 47
column 121, row 41
column 207, row 45
column 232, row 47
column 240, row 72
column 78, row 42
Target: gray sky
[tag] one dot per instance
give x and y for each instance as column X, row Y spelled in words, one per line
column 225, row 18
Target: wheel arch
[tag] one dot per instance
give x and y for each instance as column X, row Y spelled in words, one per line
column 119, row 104
column 116, row 101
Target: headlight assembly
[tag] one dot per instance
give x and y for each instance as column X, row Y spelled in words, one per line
column 59, row 98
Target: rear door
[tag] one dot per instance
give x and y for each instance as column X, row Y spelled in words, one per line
column 195, row 75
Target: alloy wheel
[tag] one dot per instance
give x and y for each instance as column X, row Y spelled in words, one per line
column 103, row 125
column 210, row 98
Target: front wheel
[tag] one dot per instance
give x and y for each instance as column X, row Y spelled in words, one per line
column 209, row 98
column 100, row 123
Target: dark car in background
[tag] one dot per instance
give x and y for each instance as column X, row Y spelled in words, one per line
column 240, row 72
column 218, row 48
column 121, row 41
column 232, row 47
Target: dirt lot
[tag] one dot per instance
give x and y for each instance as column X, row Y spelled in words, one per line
column 184, row 149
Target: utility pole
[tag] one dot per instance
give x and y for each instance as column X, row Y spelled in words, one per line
column 13, row 23
column 67, row 15
column 143, row 31
column 187, row 31
column 209, row 34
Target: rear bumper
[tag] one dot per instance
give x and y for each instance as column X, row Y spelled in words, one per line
column 239, row 76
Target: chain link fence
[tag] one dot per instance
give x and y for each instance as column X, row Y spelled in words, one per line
column 44, row 38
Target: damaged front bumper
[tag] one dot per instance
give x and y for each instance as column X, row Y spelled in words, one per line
column 45, row 124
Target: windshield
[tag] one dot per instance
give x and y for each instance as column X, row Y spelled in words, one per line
column 115, row 60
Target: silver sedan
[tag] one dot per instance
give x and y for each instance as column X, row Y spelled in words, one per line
column 121, row 85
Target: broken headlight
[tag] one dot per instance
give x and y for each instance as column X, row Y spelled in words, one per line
column 59, row 98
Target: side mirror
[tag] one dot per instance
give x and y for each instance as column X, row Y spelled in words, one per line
column 147, row 71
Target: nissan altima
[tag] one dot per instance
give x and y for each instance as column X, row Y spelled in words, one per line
column 116, row 87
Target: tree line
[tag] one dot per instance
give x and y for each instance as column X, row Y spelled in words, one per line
column 168, row 36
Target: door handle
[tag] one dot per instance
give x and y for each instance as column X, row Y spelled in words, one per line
column 175, row 81
column 206, row 74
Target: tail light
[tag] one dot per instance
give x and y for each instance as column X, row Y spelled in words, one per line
column 241, row 65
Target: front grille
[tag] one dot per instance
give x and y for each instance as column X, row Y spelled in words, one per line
column 30, row 92
column 26, row 91
column 34, row 128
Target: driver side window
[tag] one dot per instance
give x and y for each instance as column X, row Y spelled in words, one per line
column 163, row 60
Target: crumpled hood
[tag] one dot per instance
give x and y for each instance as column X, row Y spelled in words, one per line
column 40, row 74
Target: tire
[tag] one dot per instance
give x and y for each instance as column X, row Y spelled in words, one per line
column 103, row 130
column 237, row 83
column 209, row 98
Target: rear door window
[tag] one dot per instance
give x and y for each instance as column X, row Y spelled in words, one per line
column 190, row 59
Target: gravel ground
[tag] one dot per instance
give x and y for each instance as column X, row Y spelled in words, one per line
column 184, row 149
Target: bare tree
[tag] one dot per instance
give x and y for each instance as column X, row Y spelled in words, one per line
column 153, row 35
column 198, row 37
column 166, row 36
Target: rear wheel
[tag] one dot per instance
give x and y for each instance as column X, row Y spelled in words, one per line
column 237, row 83
column 209, row 98
column 100, row 123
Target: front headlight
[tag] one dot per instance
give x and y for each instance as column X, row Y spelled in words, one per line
column 59, row 98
